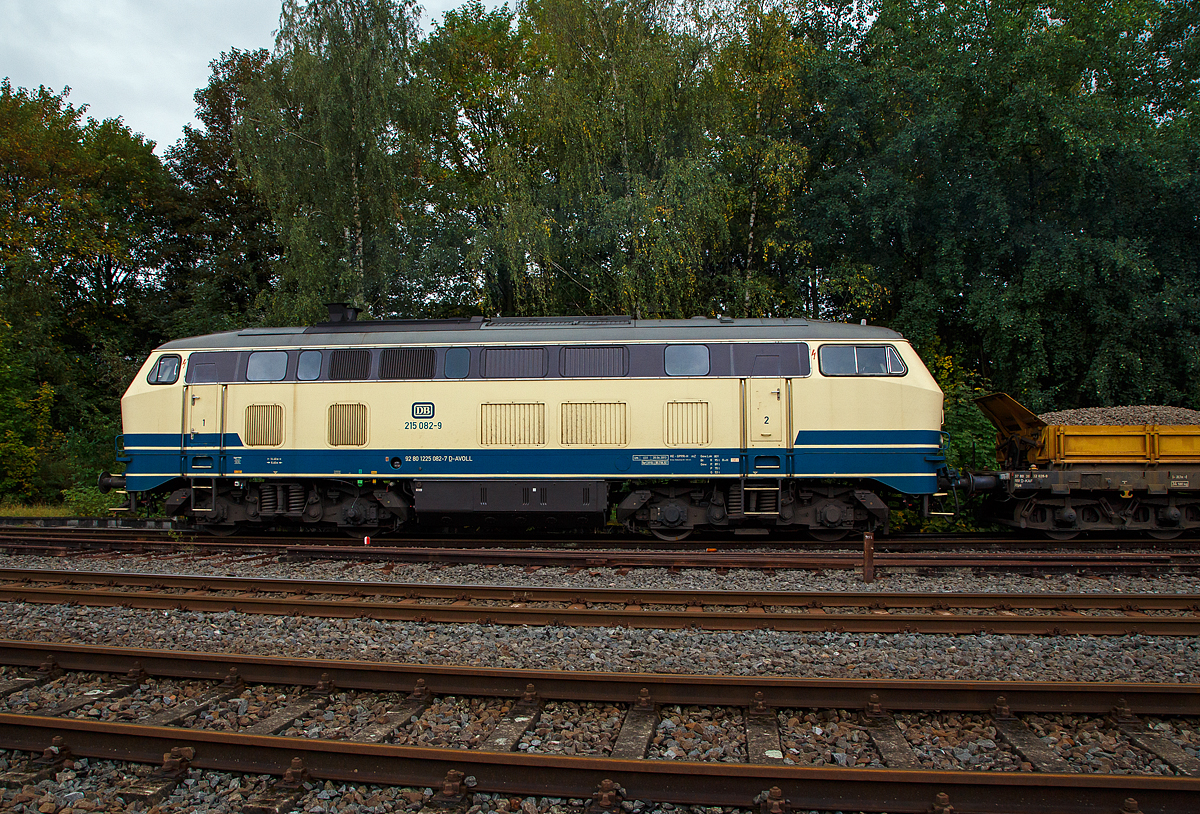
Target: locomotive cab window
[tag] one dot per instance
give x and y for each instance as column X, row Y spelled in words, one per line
column 686, row 360
column 166, row 371
column 267, row 366
column 860, row 360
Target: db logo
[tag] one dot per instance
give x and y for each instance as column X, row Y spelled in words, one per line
column 422, row 409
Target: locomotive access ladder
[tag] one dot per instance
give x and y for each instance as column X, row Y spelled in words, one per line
column 757, row 497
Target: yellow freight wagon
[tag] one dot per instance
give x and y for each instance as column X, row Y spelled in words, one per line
column 1068, row 478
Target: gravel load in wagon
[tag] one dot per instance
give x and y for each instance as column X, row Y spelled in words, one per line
column 1123, row 416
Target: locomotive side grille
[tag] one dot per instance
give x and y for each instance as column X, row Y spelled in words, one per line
column 407, row 363
column 598, row 424
column 512, row 424
column 347, row 365
column 347, row 425
column 687, row 422
column 264, row 425
column 593, row 361
column 514, row 363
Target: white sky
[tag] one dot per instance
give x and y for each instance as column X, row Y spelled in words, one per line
column 141, row 60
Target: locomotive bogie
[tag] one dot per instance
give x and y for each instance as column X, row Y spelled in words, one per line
column 666, row 426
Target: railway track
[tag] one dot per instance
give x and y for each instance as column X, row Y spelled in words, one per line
column 865, row 559
column 1046, row 782
column 862, row 612
column 78, row 532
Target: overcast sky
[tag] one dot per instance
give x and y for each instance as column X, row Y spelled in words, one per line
column 138, row 59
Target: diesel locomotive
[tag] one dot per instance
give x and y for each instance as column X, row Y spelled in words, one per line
column 568, row 422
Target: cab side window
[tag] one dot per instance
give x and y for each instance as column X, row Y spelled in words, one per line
column 860, row 360
column 166, row 371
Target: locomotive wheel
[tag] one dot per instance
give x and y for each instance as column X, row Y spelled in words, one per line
column 828, row 535
column 359, row 532
column 220, row 531
column 671, row 536
column 1165, row 534
column 1061, row 534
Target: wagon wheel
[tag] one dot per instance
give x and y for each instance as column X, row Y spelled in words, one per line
column 828, row 535
column 1164, row 534
column 671, row 536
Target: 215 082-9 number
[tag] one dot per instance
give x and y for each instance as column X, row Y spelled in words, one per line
column 422, row 425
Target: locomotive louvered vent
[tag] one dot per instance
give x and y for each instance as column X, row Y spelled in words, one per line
column 517, row 424
column 347, row 425
column 407, row 363
column 588, row 362
column 345, row 365
column 687, row 422
column 601, row 424
column 264, row 425
column 537, row 322
column 514, row 363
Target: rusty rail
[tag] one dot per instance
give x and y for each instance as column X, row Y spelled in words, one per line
column 647, row 609
column 662, row 781
column 664, row 688
column 904, row 790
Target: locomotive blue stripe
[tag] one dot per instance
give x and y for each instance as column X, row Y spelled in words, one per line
column 907, row 462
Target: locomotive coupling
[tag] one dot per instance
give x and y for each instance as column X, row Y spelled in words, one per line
column 107, row 482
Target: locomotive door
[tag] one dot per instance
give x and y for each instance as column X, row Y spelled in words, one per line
column 764, row 404
column 765, row 410
column 204, row 430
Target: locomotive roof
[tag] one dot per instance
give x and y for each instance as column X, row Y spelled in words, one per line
column 534, row 330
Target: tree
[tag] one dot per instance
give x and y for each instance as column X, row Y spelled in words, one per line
column 227, row 239
column 996, row 170
column 329, row 138
column 476, row 64
column 612, row 200
column 82, row 236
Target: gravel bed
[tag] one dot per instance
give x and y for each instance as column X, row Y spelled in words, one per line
column 1114, row 416
column 570, row 728
column 343, row 714
column 244, row 710
column 1094, row 744
column 699, row 734
column 458, row 722
column 748, row 653
column 694, row 579
column 827, row 737
column 957, row 740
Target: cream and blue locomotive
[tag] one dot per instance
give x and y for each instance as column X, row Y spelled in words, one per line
column 661, row 425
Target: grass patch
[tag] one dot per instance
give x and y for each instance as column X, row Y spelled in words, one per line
column 35, row 510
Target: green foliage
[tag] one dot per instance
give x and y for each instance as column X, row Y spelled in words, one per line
column 328, row 140
column 83, row 228
column 226, row 242
column 87, row 501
